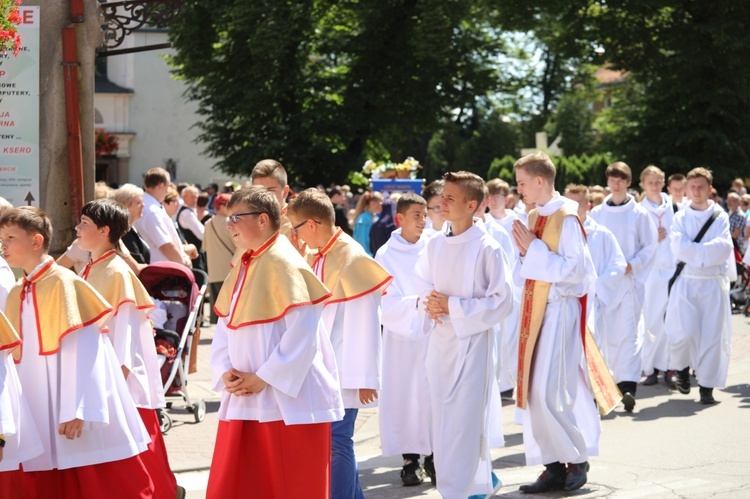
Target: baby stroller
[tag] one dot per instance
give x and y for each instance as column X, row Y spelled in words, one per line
column 181, row 291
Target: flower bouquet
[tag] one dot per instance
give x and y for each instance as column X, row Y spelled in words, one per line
column 389, row 170
column 10, row 18
column 106, row 143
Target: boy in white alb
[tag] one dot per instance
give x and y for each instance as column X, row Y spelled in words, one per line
column 608, row 260
column 273, row 363
column 352, row 317
column 655, row 353
column 560, row 420
column 636, row 233
column 404, row 408
column 88, row 424
column 463, row 279
column 698, row 321
column 498, row 192
column 103, row 223
column 435, row 219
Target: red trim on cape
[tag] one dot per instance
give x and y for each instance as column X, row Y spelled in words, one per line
column 10, row 346
column 274, row 319
column 364, row 293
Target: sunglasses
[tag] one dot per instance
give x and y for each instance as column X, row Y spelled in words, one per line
column 236, row 217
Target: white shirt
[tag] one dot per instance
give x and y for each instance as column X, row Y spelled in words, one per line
column 189, row 220
column 157, row 229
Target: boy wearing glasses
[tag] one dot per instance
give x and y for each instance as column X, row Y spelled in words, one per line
column 273, row 363
column 435, row 219
column 352, row 317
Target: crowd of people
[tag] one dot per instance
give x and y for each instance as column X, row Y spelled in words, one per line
column 438, row 307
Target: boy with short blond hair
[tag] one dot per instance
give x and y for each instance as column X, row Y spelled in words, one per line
column 655, row 353
column 698, row 319
column 87, row 421
column 404, row 409
column 270, row 174
column 352, row 317
column 463, row 280
column 637, row 236
column 560, row 421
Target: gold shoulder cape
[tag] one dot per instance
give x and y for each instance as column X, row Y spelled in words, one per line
column 348, row 271
column 535, row 294
column 276, row 279
column 68, row 302
column 8, row 337
column 113, row 279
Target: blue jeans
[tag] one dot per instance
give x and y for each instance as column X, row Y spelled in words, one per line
column 344, row 472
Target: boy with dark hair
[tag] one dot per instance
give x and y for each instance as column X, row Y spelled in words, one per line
column 676, row 190
column 103, row 223
column 560, row 422
column 404, row 412
column 273, row 363
column 698, row 320
column 351, row 316
column 463, row 281
column 87, row 421
column 638, row 237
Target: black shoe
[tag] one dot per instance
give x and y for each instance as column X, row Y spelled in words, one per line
column 412, row 474
column 650, row 379
column 576, row 476
column 683, row 381
column 707, row 396
column 628, row 401
column 507, row 395
column 552, row 478
column 429, row 469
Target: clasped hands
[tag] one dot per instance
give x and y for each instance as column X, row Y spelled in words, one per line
column 522, row 236
column 242, row 384
column 436, row 306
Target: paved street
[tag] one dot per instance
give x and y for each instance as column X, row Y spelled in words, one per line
column 670, row 447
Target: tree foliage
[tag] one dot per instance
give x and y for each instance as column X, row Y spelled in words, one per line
column 321, row 85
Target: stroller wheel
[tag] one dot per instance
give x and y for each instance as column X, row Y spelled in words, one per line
column 199, row 411
column 169, row 405
column 165, row 422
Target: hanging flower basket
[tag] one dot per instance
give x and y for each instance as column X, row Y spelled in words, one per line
column 106, row 143
column 10, row 18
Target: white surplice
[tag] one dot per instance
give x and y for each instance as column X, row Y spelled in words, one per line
column 637, row 236
column 84, row 381
column 16, row 423
column 610, row 267
column 698, row 321
column 560, row 422
column 472, row 270
column 292, row 354
column 655, row 353
column 404, row 407
column 132, row 338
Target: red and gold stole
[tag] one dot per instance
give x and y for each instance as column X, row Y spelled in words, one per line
column 113, row 279
column 535, row 294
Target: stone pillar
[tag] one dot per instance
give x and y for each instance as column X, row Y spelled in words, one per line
column 54, row 182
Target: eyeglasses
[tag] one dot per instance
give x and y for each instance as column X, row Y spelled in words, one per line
column 296, row 227
column 236, row 217
column 435, row 209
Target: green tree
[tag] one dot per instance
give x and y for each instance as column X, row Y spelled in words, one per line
column 322, row 85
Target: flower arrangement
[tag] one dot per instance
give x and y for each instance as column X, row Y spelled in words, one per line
column 106, row 143
column 407, row 169
column 10, row 18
